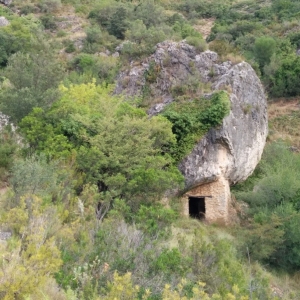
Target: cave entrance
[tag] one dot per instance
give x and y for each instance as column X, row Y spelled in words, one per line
column 197, row 207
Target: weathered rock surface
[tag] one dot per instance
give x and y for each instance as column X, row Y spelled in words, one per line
column 231, row 151
column 6, row 2
column 3, row 22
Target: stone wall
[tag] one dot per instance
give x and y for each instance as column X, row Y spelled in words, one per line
column 217, row 200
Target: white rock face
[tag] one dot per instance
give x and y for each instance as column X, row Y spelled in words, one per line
column 6, row 2
column 230, row 152
column 233, row 150
column 3, row 22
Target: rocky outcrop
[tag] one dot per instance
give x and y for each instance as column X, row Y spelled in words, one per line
column 225, row 155
column 6, row 2
column 234, row 149
column 3, row 22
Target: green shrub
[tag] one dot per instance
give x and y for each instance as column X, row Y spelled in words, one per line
column 70, row 47
column 214, row 115
column 264, row 48
column 286, row 80
column 49, row 6
column 48, row 21
column 8, row 148
column 197, row 42
column 185, row 30
column 190, row 120
column 274, row 206
column 14, row 38
column 155, row 219
column 28, row 9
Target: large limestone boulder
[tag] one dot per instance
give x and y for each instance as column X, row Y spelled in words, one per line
column 232, row 150
column 225, row 155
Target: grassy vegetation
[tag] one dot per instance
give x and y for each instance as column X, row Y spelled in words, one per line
column 82, row 177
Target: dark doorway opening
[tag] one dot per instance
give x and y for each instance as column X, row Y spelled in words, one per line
column 197, row 207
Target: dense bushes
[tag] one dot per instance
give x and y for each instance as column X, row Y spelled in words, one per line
column 190, row 120
column 83, row 198
column 33, row 82
column 270, row 46
column 274, row 206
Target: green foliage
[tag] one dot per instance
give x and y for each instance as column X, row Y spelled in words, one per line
column 70, row 47
column 185, row 30
column 142, row 39
column 33, row 176
column 104, row 69
column 154, row 219
column 153, row 19
column 264, row 48
column 170, row 262
column 14, row 38
column 203, row 8
column 42, row 136
column 48, row 21
column 112, row 17
column 119, row 162
column 8, row 152
column 285, row 81
column 118, row 24
column 8, row 147
column 33, row 83
column 190, row 120
column 105, row 140
column 274, row 205
column 220, row 107
column 33, row 254
column 197, row 42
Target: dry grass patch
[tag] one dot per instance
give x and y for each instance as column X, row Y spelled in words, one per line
column 284, row 121
column 204, row 26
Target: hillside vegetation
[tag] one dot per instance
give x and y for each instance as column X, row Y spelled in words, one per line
column 83, row 172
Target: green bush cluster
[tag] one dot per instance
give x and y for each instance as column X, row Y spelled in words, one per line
column 86, row 170
column 191, row 120
column 274, row 207
column 251, row 28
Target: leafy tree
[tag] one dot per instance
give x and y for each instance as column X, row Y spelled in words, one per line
column 126, row 159
column 15, row 37
column 44, row 137
column 34, row 79
column 264, row 48
column 119, row 148
column 285, row 81
column 153, row 19
column 118, row 23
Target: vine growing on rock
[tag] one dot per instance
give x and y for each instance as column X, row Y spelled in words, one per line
column 191, row 120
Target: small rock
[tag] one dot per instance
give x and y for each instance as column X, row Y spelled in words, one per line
column 3, row 22
column 5, row 235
